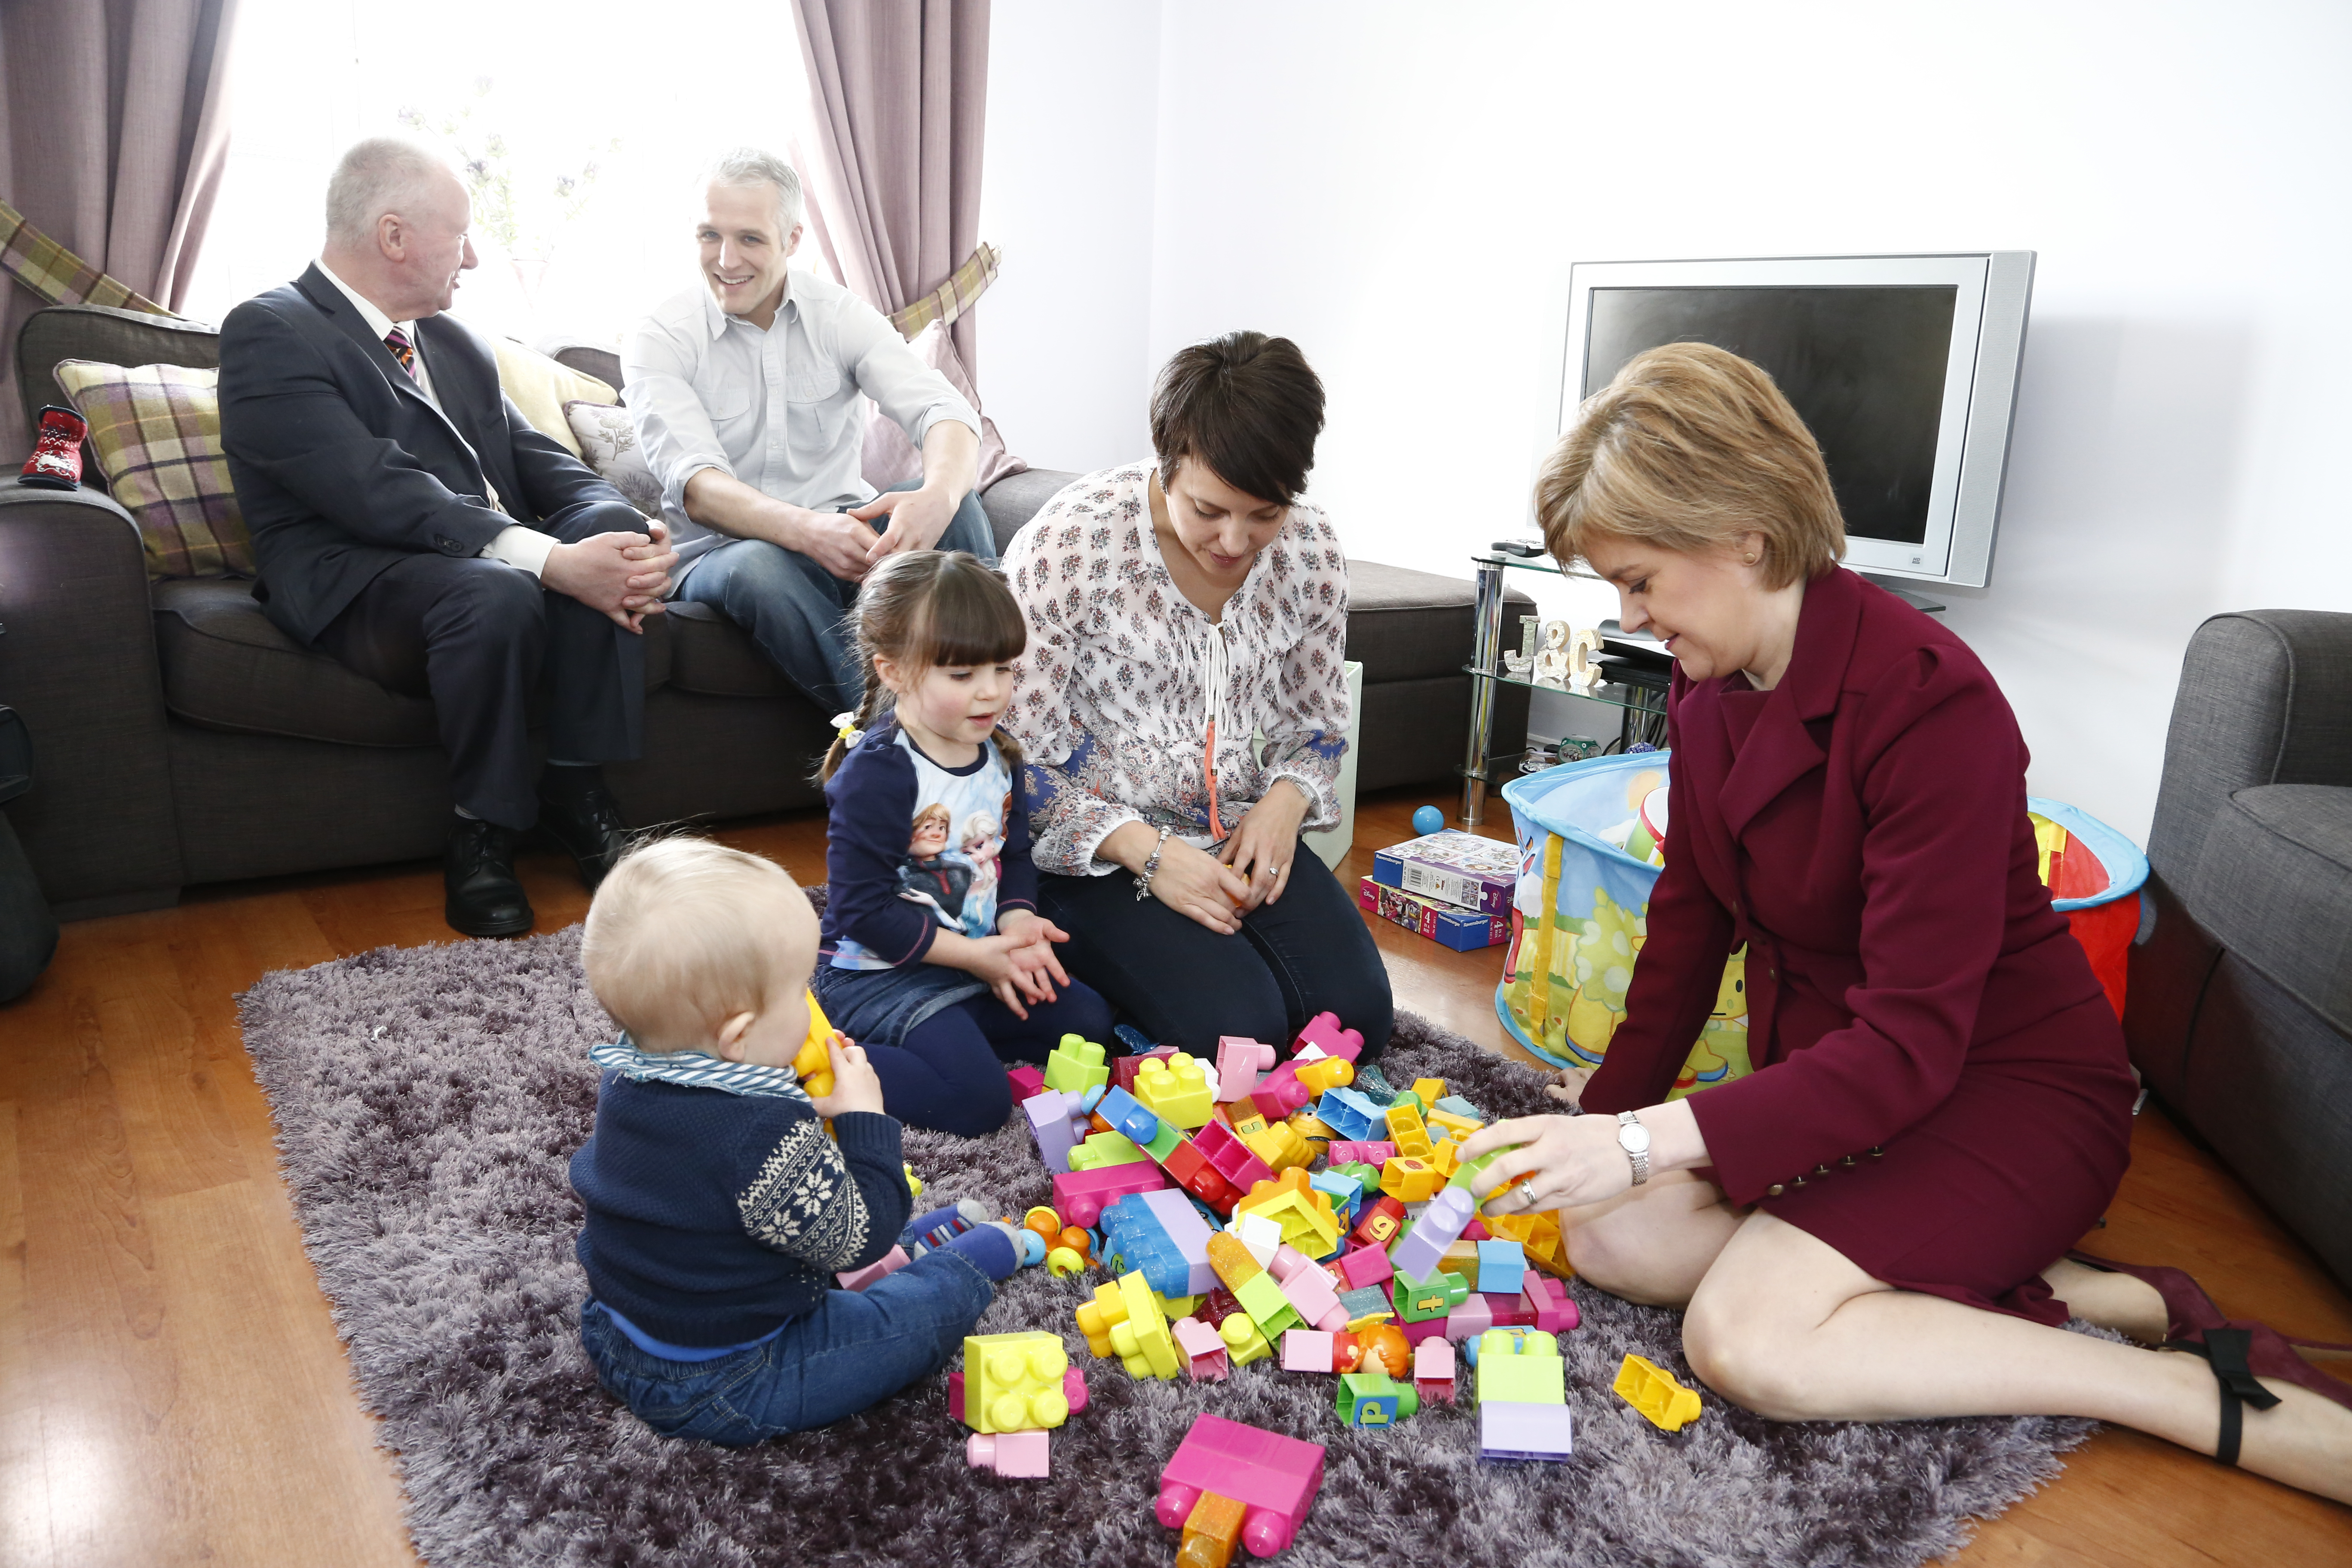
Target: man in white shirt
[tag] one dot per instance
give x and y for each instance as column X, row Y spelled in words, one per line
column 408, row 521
column 745, row 393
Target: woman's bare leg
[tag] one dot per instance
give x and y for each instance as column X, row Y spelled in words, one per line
column 2115, row 1301
column 1785, row 1325
column 1650, row 1244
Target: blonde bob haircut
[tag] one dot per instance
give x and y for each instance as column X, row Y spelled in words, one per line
column 1690, row 448
column 684, row 934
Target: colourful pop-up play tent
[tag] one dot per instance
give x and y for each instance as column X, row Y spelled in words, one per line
column 1589, row 856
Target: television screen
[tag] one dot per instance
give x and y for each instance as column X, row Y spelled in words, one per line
column 1864, row 366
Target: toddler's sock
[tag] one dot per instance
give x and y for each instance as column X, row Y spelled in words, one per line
column 990, row 1247
column 941, row 1224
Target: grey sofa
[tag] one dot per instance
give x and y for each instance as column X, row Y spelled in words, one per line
column 2240, row 1004
column 181, row 738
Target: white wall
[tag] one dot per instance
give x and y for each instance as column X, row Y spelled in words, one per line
column 1400, row 188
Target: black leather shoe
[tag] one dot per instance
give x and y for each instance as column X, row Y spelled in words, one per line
column 477, row 870
column 585, row 822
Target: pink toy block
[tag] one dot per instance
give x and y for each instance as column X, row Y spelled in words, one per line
column 1423, row 1252
column 858, row 1278
column 1470, row 1319
column 1239, row 1061
column 1188, row 1233
column 1309, row 1290
column 1362, row 1153
column 1323, row 1030
column 1230, row 1157
column 1416, row 1334
column 1027, row 1081
column 1365, row 1265
column 1080, row 1197
column 1073, row 1389
column 1124, row 1069
column 1506, row 1311
column 1022, row 1455
column 1477, row 1231
column 1055, row 1123
column 1432, row 1369
column 1547, row 1299
column 1273, row 1477
column 1203, row 1350
column 955, row 1396
column 1306, row 1349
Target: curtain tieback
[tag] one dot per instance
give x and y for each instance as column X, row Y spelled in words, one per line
column 61, row 278
column 952, row 297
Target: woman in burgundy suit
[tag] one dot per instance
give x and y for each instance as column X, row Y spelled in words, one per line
column 1865, row 1228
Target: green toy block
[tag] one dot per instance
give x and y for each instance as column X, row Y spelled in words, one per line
column 1075, row 1066
column 1375, row 1399
column 1104, row 1150
column 1467, row 1171
column 1406, row 1097
column 1163, row 1142
column 1419, row 1301
column 1368, row 1176
column 1520, row 1366
column 1268, row 1308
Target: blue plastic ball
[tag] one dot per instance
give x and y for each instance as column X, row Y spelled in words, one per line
column 1428, row 820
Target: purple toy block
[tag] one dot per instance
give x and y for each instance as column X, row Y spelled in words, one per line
column 1365, row 1265
column 1024, row 1454
column 1423, row 1251
column 1053, row 1122
column 1508, row 1430
column 1079, row 1195
column 1470, row 1319
column 858, row 1278
column 1239, row 1061
column 1548, row 1299
column 1027, row 1081
column 1306, row 1349
column 1203, row 1347
column 1273, row 1477
column 1188, row 1233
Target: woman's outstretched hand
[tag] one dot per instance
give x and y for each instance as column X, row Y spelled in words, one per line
column 1261, row 848
column 1568, row 1160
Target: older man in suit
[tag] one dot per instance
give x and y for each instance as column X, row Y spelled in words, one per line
column 409, row 521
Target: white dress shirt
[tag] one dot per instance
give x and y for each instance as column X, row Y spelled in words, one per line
column 514, row 544
column 778, row 408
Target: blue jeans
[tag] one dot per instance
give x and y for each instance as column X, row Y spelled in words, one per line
column 793, row 608
column 859, row 1348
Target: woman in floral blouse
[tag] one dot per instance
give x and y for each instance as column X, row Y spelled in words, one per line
column 1184, row 710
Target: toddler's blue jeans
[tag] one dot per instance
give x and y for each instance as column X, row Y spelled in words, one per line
column 856, row 1349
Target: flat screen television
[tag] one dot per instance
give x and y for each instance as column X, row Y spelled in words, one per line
column 1905, row 368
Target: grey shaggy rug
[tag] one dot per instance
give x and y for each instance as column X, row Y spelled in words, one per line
column 428, row 1099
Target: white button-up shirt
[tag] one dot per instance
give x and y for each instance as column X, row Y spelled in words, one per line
column 514, row 544
column 777, row 409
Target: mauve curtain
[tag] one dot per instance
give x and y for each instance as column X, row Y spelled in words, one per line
column 113, row 128
column 898, row 95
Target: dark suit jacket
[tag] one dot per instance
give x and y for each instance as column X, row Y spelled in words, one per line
column 343, row 466
column 1869, row 841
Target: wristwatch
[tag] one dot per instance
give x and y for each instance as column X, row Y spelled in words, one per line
column 1635, row 1139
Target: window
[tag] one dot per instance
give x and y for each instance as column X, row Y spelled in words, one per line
column 580, row 128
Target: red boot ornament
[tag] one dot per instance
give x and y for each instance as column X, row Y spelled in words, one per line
column 56, row 462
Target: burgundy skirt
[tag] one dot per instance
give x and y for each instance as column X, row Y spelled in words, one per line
column 1994, row 1185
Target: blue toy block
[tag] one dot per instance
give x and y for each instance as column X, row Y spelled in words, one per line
column 1502, row 1267
column 1156, row 1234
column 1346, row 1192
column 1455, row 1105
column 1128, row 1115
column 1351, row 1117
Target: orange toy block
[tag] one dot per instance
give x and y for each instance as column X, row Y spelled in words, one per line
column 1213, row 1532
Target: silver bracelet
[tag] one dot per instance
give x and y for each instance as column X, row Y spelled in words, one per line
column 1150, row 867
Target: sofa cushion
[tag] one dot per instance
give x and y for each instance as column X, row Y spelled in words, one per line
column 1016, row 499
column 2273, row 883
column 712, row 654
column 542, row 388
column 608, row 443
column 226, row 665
column 155, row 431
column 1405, row 625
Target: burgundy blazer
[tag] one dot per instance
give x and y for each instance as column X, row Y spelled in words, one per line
column 1870, row 844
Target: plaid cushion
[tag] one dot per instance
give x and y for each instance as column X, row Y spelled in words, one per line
column 156, row 431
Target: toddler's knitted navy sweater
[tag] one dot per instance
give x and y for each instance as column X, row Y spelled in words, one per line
column 714, row 1217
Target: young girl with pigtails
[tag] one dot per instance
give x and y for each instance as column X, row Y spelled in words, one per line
column 928, row 841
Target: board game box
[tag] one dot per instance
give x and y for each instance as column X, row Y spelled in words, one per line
column 1453, row 867
column 1441, row 923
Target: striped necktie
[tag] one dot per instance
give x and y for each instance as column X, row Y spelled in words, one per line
column 397, row 341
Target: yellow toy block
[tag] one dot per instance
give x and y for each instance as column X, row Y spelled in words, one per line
column 1013, row 1382
column 1246, row 1126
column 1446, row 1158
column 1409, row 1180
column 1305, row 1213
column 1407, row 1132
column 1244, row 1341
column 812, row 1062
column 1174, row 1088
column 1330, row 1073
column 1174, row 1308
column 1123, row 1319
column 1444, row 1124
column 1429, row 1090
column 1312, row 1128
column 1520, row 1366
column 1539, row 1237
column 1279, row 1147
column 1652, row 1390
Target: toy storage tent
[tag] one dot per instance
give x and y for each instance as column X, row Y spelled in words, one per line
column 1589, row 835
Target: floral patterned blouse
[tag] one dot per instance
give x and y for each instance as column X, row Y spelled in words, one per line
column 1113, row 696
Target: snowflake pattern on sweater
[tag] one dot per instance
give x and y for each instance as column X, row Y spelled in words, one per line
column 1109, row 698
column 803, row 1202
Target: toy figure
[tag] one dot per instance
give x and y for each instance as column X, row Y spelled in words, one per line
column 928, row 875
column 981, row 840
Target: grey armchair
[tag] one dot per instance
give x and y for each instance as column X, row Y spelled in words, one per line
column 2239, row 1007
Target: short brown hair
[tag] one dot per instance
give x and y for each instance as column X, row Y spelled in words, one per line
column 930, row 609
column 683, row 934
column 1247, row 407
column 1688, row 448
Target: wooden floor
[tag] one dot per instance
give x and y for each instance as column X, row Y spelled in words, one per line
column 171, row 1390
